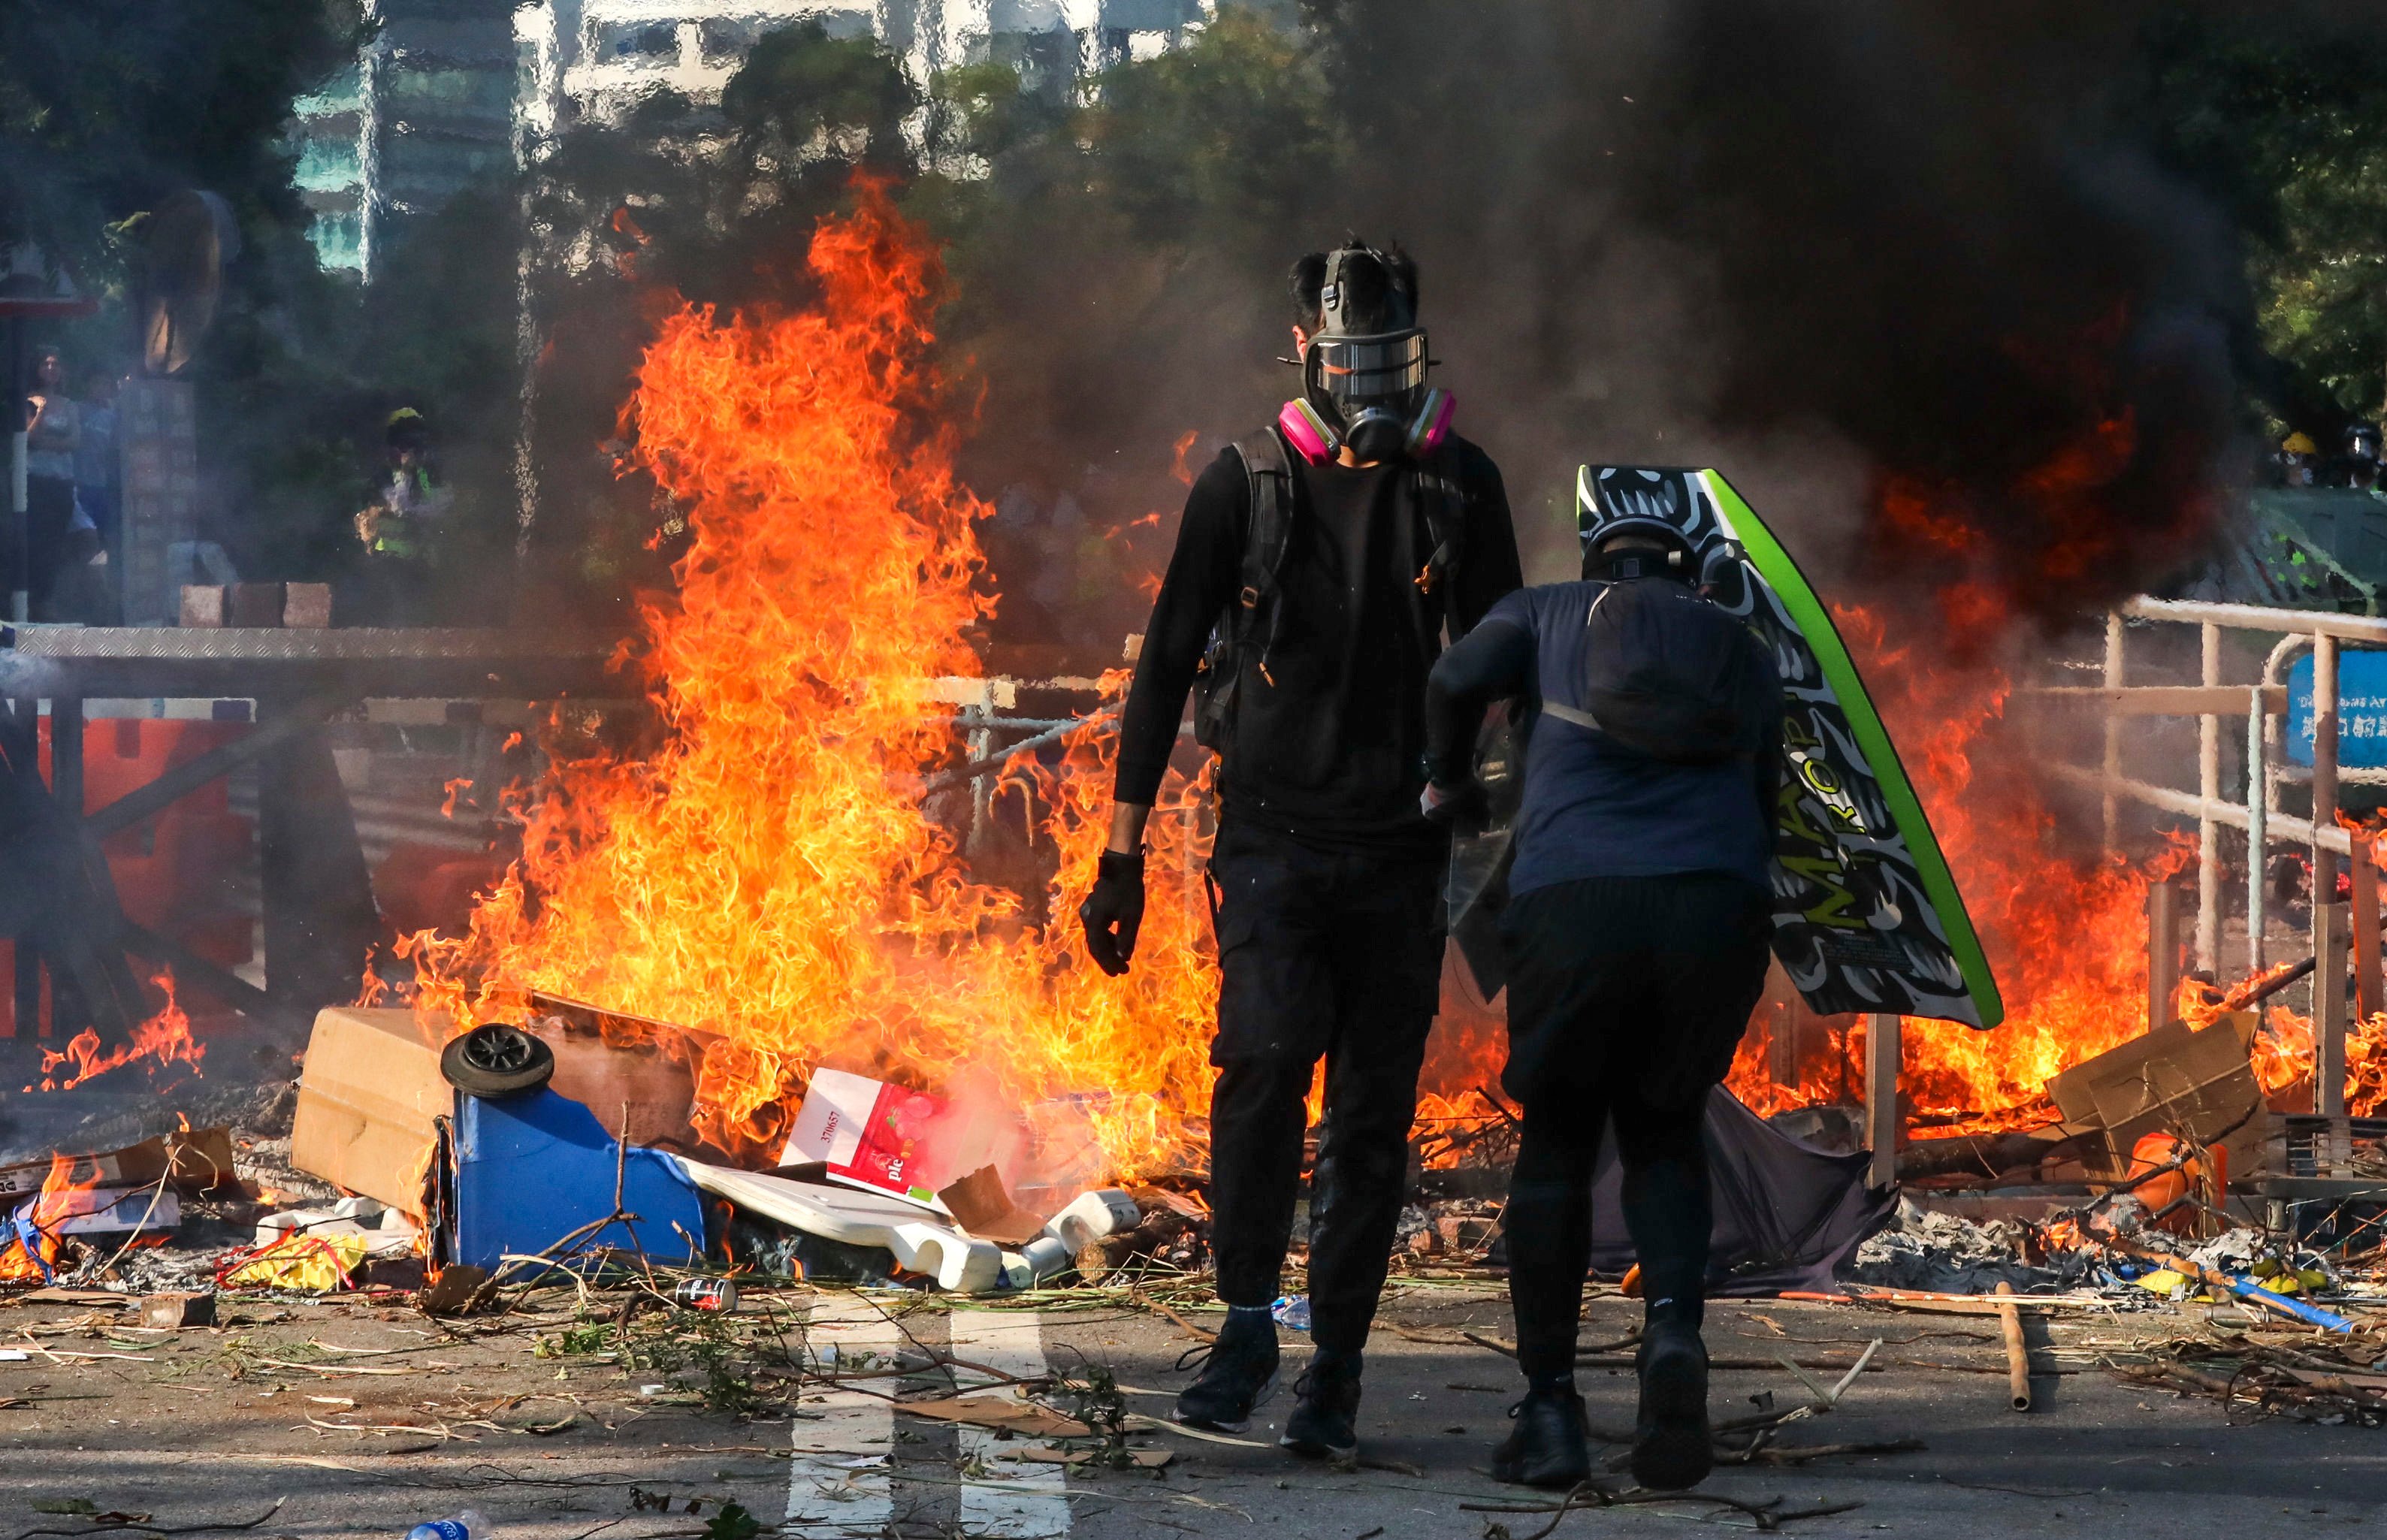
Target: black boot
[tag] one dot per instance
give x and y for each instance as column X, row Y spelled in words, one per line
column 1325, row 1421
column 1550, row 1446
column 1237, row 1373
column 1672, row 1446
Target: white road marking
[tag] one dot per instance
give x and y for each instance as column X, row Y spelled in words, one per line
column 1024, row 1499
column 830, row 1483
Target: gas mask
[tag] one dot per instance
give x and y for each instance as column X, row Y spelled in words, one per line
column 1364, row 389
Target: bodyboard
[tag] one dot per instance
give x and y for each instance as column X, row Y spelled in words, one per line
column 1866, row 915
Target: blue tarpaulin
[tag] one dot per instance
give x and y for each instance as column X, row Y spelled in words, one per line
column 531, row 1170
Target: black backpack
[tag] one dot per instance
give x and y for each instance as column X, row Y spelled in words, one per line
column 1668, row 674
column 1252, row 620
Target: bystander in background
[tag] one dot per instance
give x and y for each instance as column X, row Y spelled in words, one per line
column 401, row 527
column 53, row 439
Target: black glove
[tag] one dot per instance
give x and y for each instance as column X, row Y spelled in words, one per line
column 1112, row 913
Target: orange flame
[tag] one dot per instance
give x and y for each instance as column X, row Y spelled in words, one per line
column 17, row 1263
column 769, row 876
column 2063, row 924
column 2065, row 929
column 164, row 1040
column 1177, row 466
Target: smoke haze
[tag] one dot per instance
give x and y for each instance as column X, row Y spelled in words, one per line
column 1811, row 244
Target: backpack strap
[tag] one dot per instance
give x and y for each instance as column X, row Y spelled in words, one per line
column 1443, row 502
column 1267, row 470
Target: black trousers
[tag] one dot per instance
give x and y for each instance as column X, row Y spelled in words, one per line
column 1626, row 998
column 1320, row 953
column 49, row 517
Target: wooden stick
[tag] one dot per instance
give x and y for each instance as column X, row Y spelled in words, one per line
column 2018, row 1353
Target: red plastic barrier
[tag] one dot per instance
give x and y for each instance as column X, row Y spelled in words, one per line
column 121, row 753
column 173, row 871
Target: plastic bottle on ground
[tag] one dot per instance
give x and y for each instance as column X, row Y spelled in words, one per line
column 467, row 1525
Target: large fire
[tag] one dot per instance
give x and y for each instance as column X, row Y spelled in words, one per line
column 2065, row 927
column 2062, row 922
column 767, row 874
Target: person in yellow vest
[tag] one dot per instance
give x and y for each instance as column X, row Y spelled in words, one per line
column 400, row 521
column 401, row 529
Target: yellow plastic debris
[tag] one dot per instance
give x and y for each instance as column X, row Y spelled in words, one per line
column 2163, row 1282
column 314, row 1263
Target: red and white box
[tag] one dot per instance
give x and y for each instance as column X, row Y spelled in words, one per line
column 870, row 1134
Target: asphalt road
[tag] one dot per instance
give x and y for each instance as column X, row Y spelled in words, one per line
column 211, row 1426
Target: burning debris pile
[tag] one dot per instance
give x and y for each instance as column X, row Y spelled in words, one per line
column 766, row 878
column 750, row 1016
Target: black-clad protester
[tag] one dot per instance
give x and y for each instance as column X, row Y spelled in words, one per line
column 1317, row 566
column 1636, row 937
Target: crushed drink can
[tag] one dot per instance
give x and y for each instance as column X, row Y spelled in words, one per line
column 716, row 1294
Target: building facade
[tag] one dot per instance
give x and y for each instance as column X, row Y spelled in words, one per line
column 447, row 93
column 427, row 110
column 595, row 57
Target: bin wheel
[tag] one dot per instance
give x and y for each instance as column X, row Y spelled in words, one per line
column 497, row 1060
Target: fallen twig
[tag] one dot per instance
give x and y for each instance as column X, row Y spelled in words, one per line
column 1137, row 1296
column 1799, row 1454
column 1397, row 1466
column 311, row 1369
column 1768, row 1515
column 1134, row 1420
column 442, row 1430
column 147, row 1528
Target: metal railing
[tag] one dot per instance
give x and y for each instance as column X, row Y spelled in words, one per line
column 2261, row 706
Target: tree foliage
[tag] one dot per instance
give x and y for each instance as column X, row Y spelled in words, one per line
column 2288, row 132
column 108, row 105
column 1136, row 232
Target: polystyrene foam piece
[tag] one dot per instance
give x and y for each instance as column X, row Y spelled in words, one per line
column 956, row 1262
column 1091, row 1216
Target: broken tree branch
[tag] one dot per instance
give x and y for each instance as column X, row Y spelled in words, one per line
column 145, row 1527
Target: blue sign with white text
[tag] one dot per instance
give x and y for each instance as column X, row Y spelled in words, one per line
column 2361, row 710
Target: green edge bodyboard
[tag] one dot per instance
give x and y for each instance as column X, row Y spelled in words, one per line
column 1867, row 917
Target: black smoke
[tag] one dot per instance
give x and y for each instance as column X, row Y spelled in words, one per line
column 1817, row 244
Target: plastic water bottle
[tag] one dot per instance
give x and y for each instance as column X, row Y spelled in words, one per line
column 1292, row 1312
column 467, row 1525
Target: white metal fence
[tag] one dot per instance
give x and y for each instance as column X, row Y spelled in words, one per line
column 2257, row 707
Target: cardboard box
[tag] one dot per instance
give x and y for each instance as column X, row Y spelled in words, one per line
column 641, row 1092
column 200, row 1160
column 980, row 1204
column 2171, row 1078
column 870, row 1134
column 367, row 1097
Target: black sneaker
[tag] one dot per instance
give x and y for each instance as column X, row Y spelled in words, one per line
column 1551, row 1447
column 1672, row 1446
column 1324, row 1424
column 1238, row 1372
